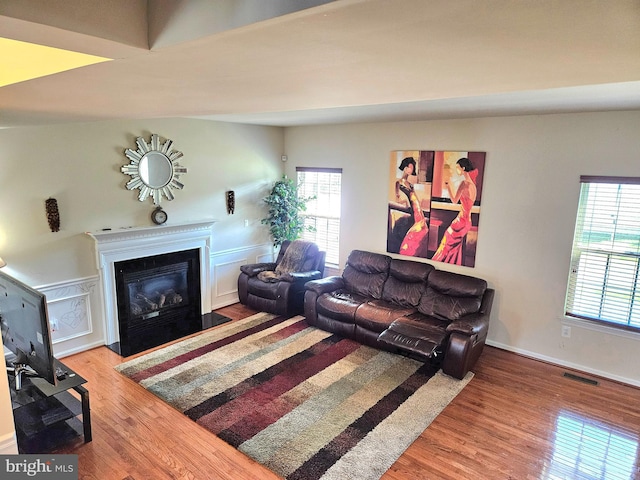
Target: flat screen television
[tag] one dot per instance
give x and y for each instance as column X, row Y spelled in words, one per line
column 25, row 330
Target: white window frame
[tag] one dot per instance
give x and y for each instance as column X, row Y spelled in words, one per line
column 603, row 288
column 323, row 213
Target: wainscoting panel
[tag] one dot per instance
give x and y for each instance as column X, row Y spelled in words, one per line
column 70, row 317
column 74, row 315
column 227, row 276
column 225, row 268
column 266, row 257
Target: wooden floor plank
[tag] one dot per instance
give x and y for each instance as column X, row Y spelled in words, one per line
column 504, row 424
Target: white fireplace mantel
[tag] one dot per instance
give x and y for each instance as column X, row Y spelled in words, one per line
column 130, row 243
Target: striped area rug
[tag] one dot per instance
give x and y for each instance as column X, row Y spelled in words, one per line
column 305, row 403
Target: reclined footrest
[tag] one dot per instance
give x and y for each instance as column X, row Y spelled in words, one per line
column 415, row 337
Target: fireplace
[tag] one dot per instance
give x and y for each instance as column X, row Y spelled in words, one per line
column 166, row 265
column 158, row 300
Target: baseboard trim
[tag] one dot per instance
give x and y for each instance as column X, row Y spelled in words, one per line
column 83, row 348
column 225, row 303
column 560, row 363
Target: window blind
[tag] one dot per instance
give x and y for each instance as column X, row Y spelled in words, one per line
column 323, row 212
column 604, row 273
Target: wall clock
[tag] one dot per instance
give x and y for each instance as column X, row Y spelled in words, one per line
column 159, row 216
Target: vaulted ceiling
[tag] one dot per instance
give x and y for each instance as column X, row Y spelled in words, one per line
column 296, row 62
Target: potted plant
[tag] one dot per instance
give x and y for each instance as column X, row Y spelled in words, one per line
column 285, row 206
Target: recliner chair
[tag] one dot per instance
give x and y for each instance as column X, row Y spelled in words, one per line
column 281, row 296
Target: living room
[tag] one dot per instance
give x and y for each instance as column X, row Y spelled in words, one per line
column 531, row 188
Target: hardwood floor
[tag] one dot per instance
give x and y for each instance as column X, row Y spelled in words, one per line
column 517, row 419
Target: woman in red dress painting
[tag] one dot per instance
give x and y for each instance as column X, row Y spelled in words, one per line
column 415, row 238
column 450, row 249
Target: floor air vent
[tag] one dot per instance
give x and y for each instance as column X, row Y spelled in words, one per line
column 578, row 378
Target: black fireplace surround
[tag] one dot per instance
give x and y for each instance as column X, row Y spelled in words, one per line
column 158, row 300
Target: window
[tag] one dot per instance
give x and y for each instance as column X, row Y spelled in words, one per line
column 605, row 268
column 323, row 213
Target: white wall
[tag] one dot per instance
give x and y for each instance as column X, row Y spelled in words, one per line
column 79, row 165
column 530, row 195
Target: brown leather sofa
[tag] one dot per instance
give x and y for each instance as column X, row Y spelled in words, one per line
column 404, row 306
column 283, row 297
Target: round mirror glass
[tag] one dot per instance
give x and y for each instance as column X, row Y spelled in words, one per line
column 155, row 169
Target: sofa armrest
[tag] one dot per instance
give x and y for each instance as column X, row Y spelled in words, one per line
column 466, row 339
column 475, row 323
column 324, row 285
column 254, row 269
column 303, row 277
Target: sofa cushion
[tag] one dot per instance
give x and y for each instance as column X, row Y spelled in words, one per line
column 406, row 282
column 365, row 273
column 339, row 305
column 458, row 285
column 451, row 296
column 258, row 288
column 427, row 322
column 310, row 258
column 377, row 315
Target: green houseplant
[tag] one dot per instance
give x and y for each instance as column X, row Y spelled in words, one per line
column 285, row 206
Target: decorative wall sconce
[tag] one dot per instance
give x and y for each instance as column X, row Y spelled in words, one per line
column 53, row 216
column 231, row 202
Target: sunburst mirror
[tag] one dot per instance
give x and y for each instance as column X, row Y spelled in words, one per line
column 154, row 169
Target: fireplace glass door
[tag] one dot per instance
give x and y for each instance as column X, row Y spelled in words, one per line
column 158, row 300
